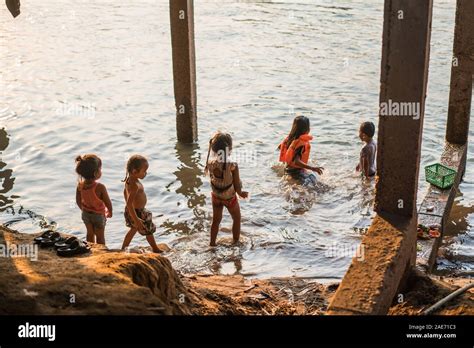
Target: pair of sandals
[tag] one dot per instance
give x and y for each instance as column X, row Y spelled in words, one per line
column 71, row 246
column 48, row 239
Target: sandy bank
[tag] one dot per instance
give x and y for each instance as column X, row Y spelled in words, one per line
column 423, row 291
column 106, row 282
column 114, row 282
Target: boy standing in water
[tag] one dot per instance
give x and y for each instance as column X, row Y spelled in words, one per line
column 367, row 155
column 137, row 218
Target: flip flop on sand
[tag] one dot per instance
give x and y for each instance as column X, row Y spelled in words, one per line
column 53, row 238
column 64, row 243
column 77, row 247
column 45, row 235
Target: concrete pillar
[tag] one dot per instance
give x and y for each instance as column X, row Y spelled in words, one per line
column 404, row 76
column 184, row 68
column 462, row 71
column 373, row 279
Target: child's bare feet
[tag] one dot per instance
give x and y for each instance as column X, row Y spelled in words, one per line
column 152, row 242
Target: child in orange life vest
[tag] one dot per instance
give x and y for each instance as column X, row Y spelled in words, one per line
column 295, row 149
column 225, row 183
column 92, row 197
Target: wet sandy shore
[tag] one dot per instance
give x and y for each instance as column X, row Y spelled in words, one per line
column 108, row 282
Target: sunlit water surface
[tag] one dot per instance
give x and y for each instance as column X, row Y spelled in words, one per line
column 84, row 76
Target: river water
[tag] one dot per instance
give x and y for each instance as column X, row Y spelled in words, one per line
column 96, row 76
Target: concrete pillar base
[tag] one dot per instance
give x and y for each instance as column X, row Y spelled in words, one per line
column 372, row 281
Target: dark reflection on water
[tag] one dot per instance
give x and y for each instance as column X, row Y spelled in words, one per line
column 16, row 213
column 6, row 175
column 189, row 175
column 456, row 255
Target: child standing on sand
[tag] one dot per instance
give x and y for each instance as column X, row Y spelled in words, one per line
column 225, row 183
column 137, row 217
column 367, row 155
column 295, row 149
column 92, row 197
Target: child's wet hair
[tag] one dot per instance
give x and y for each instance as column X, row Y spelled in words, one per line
column 300, row 126
column 368, row 128
column 219, row 143
column 88, row 165
column 134, row 163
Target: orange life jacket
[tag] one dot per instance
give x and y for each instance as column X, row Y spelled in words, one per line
column 287, row 155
